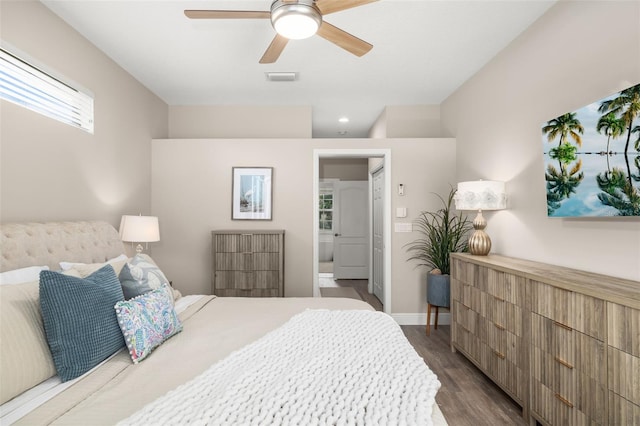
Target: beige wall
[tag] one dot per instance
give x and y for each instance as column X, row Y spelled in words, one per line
column 408, row 121
column 235, row 121
column 52, row 171
column 191, row 194
column 344, row 168
column 575, row 54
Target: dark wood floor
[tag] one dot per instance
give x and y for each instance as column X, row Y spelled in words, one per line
column 467, row 397
column 361, row 286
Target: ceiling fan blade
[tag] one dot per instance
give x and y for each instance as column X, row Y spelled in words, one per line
column 274, row 50
column 348, row 42
column 331, row 6
column 226, row 14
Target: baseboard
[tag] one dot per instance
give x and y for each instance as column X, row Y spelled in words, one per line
column 421, row 319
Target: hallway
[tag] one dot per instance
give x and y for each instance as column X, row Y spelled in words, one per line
column 360, row 287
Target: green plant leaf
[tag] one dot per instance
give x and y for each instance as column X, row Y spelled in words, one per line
column 441, row 233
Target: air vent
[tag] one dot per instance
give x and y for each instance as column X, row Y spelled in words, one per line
column 281, row 76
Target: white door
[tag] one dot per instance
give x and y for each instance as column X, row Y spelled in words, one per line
column 351, row 227
column 378, row 234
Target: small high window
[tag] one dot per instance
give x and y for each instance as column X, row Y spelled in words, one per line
column 326, row 210
column 37, row 90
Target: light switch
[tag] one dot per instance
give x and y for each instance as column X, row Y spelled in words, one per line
column 403, row 227
column 401, row 212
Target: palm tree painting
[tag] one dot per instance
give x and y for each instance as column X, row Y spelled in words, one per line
column 592, row 158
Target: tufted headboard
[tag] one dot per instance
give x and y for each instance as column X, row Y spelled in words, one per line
column 38, row 244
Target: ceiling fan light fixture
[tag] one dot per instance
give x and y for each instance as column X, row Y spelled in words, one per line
column 295, row 21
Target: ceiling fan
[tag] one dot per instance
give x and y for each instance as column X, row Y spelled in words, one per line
column 296, row 19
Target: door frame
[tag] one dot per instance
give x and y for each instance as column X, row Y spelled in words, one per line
column 372, row 172
column 385, row 154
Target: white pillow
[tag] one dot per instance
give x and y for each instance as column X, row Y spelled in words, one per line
column 25, row 358
column 22, row 275
column 69, row 265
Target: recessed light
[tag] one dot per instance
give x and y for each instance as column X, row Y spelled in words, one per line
column 343, row 119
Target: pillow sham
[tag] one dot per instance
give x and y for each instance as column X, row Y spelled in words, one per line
column 141, row 275
column 85, row 269
column 69, row 265
column 25, row 359
column 22, row 275
column 81, row 328
column 147, row 321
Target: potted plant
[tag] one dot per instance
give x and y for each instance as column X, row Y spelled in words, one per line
column 442, row 233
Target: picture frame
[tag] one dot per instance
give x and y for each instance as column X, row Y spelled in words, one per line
column 252, row 193
column 592, row 159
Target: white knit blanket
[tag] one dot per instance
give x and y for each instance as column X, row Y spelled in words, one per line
column 320, row 368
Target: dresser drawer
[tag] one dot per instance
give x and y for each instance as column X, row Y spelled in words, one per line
column 466, row 317
column 248, row 263
column 470, row 274
column 502, row 314
column 624, row 375
column 502, row 361
column 624, row 328
column 550, row 407
column 507, row 287
column 622, row 412
column 247, row 292
column 246, row 243
column 576, row 311
column 569, row 365
column 468, row 343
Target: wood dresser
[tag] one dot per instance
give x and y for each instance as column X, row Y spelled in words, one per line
column 248, row 263
column 563, row 343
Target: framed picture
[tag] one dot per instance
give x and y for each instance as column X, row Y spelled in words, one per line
column 251, row 193
column 592, row 159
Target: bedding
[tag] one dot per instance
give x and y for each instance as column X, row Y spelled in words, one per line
column 328, row 371
column 213, row 330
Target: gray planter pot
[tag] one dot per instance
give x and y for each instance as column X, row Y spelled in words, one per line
column 438, row 290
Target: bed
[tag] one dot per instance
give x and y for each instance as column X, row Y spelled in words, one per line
column 225, row 361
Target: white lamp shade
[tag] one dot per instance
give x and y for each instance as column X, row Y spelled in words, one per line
column 139, row 229
column 481, row 195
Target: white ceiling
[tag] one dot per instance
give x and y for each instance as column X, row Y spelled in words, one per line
column 423, row 51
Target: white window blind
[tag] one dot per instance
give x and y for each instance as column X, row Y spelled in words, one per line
column 26, row 85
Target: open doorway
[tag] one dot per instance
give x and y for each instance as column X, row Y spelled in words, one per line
column 352, row 224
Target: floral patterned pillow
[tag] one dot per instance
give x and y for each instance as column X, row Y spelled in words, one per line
column 147, row 321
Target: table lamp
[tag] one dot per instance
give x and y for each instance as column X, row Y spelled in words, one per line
column 139, row 229
column 480, row 195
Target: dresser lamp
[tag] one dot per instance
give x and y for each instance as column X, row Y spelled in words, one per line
column 139, row 229
column 480, row 195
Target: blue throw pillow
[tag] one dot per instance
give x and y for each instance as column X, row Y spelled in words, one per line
column 79, row 321
column 140, row 276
